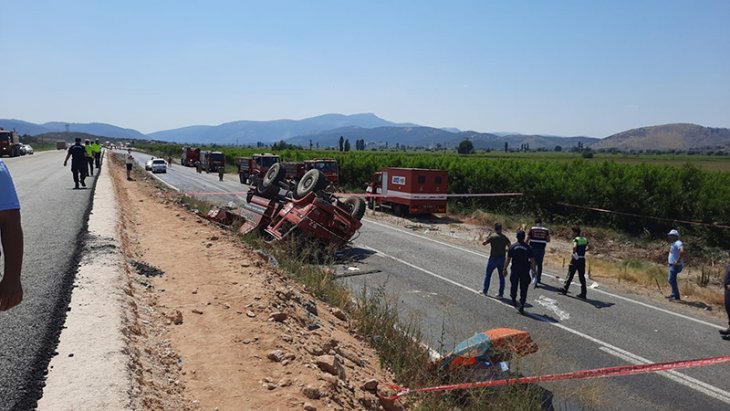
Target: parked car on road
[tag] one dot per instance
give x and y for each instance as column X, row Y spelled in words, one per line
column 28, row 149
column 158, row 165
column 148, row 164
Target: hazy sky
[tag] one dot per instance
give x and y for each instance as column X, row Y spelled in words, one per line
column 579, row 67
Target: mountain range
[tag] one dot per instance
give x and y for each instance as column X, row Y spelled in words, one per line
column 680, row 136
column 325, row 131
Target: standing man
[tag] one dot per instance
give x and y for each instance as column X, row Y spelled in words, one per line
column 96, row 151
column 726, row 287
column 537, row 238
column 89, row 156
column 676, row 262
column 11, row 238
column 79, row 166
column 577, row 263
column 129, row 163
column 499, row 243
column 522, row 258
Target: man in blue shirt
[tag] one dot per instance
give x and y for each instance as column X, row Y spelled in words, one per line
column 11, row 237
column 676, row 262
column 522, row 258
column 79, row 165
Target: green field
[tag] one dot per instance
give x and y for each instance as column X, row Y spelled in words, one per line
column 649, row 193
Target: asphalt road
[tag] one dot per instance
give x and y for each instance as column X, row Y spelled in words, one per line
column 439, row 285
column 203, row 185
column 54, row 218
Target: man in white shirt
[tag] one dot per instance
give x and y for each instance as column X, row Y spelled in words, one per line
column 676, row 262
column 11, row 236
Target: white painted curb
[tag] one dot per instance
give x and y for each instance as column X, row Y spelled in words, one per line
column 90, row 371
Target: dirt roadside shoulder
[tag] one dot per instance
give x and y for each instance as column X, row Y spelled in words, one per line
column 212, row 325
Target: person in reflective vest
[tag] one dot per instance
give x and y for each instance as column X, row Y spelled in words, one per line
column 577, row 263
column 96, row 151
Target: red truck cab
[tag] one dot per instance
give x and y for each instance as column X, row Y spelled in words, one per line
column 409, row 190
column 328, row 167
column 190, row 156
column 9, row 143
column 255, row 166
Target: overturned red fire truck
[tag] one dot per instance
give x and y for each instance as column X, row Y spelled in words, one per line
column 319, row 222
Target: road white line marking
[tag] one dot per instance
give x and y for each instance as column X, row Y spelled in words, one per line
column 686, row 317
column 675, row 376
column 165, row 182
column 552, row 305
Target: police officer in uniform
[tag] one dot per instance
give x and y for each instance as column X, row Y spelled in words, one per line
column 521, row 256
column 577, row 263
column 79, row 164
column 537, row 238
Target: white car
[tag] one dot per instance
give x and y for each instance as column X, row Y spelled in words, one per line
column 158, row 165
column 148, row 164
column 28, row 149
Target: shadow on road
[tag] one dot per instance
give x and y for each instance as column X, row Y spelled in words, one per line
column 351, row 255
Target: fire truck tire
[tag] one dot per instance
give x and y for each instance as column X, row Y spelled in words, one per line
column 274, row 176
column 357, row 206
column 267, row 192
column 312, row 181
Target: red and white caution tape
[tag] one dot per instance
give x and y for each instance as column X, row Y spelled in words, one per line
column 575, row 375
column 603, row 210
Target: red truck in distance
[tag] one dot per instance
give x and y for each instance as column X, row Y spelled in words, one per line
column 254, row 167
column 190, row 156
column 327, row 166
column 211, row 160
column 409, row 190
column 9, row 143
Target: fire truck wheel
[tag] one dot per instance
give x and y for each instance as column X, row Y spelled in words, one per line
column 356, row 206
column 267, row 192
column 312, row 181
column 274, row 176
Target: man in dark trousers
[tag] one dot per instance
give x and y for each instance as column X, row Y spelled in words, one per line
column 537, row 238
column 79, row 164
column 577, row 263
column 726, row 287
column 89, row 157
column 522, row 258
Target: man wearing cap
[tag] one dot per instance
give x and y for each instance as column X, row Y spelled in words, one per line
column 522, row 258
column 79, row 168
column 676, row 262
column 726, row 287
column 499, row 243
column 537, row 238
column 577, row 263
